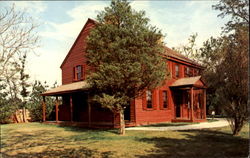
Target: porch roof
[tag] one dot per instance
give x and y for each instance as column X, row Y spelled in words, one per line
column 189, row 81
column 67, row 88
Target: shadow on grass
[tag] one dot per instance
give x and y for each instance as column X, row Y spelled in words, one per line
column 199, row 143
column 76, row 153
column 55, row 146
column 87, row 129
column 25, row 141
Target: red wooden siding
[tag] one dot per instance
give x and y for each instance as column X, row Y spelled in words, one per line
column 139, row 113
column 76, row 55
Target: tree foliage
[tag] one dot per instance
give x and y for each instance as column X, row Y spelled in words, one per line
column 226, row 75
column 35, row 102
column 17, row 39
column 125, row 54
column 24, row 86
column 237, row 10
column 226, row 62
column 6, row 109
column 190, row 49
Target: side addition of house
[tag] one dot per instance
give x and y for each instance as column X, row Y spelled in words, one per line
column 181, row 99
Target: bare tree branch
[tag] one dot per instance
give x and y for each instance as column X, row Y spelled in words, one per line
column 17, row 36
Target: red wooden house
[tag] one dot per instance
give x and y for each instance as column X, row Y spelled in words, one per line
column 182, row 98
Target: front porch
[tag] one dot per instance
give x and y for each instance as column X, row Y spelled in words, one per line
column 74, row 109
column 189, row 97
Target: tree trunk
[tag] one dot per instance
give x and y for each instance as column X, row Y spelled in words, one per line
column 122, row 123
column 238, row 124
column 24, row 114
column 15, row 117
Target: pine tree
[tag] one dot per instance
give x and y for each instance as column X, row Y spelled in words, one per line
column 125, row 55
column 34, row 103
column 24, row 86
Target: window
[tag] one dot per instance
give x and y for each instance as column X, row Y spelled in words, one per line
column 165, row 99
column 187, row 71
column 196, row 73
column 149, row 99
column 78, row 72
column 199, row 72
column 191, row 74
column 177, row 71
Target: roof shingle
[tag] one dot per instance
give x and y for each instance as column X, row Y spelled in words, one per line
column 66, row 88
column 171, row 53
column 186, row 81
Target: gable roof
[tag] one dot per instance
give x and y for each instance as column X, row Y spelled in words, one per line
column 88, row 21
column 168, row 52
column 67, row 88
column 188, row 81
column 171, row 53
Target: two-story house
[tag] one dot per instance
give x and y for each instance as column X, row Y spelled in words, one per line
column 182, row 98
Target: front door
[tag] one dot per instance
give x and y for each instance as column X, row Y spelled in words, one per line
column 178, row 102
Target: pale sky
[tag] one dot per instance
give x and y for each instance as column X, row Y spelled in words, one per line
column 61, row 22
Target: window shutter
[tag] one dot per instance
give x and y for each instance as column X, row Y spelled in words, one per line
column 82, row 72
column 191, row 72
column 173, row 70
column 161, row 99
column 144, row 101
column 154, row 96
column 74, row 73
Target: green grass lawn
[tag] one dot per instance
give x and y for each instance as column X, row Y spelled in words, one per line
column 42, row 140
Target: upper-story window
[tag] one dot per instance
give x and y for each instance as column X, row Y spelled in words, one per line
column 196, row 72
column 199, row 72
column 177, row 71
column 191, row 72
column 186, row 71
column 78, row 72
column 149, row 99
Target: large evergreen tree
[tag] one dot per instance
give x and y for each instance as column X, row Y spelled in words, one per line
column 125, row 54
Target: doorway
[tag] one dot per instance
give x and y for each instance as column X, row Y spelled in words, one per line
column 178, row 102
column 127, row 113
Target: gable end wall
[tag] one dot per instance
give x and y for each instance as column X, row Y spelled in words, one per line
column 76, row 55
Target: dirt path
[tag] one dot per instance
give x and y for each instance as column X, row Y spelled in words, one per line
column 220, row 123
